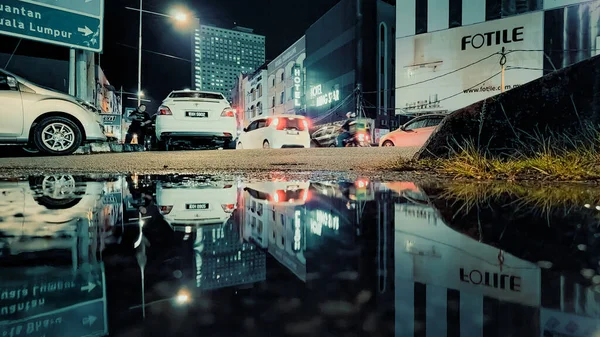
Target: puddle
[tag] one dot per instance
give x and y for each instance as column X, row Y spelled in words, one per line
column 183, row 255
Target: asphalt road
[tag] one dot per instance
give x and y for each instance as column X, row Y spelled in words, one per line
column 322, row 161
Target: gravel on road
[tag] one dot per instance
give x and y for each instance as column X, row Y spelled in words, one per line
column 358, row 161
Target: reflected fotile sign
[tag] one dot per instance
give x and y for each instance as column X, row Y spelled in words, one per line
column 70, row 23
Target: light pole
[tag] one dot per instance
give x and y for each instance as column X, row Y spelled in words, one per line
column 140, row 57
column 179, row 16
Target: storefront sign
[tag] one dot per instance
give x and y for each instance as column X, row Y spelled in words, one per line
column 297, row 77
column 324, row 98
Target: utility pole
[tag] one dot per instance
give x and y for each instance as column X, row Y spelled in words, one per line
column 72, row 72
column 139, row 93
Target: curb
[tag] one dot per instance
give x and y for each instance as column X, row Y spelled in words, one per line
column 94, row 148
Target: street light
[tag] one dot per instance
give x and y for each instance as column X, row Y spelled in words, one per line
column 179, row 16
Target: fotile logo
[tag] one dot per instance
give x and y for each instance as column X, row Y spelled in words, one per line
column 492, row 38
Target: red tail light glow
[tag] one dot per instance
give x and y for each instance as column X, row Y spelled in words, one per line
column 305, row 195
column 228, row 112
column 228, row 208
column 228, row 186
column 305, row 123
column 276, row 197
column 164, row 210
column 164, row 111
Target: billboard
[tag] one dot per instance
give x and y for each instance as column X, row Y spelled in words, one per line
column 429, row 252
column 450, row 69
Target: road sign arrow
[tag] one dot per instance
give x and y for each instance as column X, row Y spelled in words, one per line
column 89, row 320
column 85, row 31
column 89, row 287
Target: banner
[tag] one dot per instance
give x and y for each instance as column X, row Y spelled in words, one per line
column 450, row 69
column 112, row 125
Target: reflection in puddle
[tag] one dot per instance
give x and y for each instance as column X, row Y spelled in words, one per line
column 176, row 255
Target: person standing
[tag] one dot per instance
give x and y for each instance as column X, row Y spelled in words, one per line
column 140, row 119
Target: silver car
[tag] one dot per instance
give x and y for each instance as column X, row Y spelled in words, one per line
column 50, row 121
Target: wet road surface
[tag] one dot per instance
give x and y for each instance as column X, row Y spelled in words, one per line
column 366, row 160
column 176, row 255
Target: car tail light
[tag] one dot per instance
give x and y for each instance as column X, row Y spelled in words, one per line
column 362, row 183
column 361, row 137
column 228, row 112
column 164, row 210
column 228, row 208
column 228, row 186
column 305, row 123
column 165, row 111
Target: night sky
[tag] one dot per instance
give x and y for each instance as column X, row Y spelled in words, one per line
column 281, row 21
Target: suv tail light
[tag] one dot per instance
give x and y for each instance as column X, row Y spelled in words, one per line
column 228, row 208
column 228, row 112
column 164, row 210
column 165, row 111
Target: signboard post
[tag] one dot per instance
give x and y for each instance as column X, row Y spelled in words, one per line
column 56, row 302
column 73, row 24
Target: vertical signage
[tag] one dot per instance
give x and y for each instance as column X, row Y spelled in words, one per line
column 298, row 84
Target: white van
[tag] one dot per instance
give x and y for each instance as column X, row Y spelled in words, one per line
column 276, row 132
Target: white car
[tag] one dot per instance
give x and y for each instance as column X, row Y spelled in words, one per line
column 53, row 122
column 276, row 132
column 186, row 206
column 196, row 115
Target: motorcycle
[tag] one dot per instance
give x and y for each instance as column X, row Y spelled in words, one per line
column 361, row 135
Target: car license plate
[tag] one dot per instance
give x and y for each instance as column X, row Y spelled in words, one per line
column 196, row 206
column 196, row 114
column 292, row 132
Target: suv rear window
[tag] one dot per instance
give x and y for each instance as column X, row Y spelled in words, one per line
column 192, row 94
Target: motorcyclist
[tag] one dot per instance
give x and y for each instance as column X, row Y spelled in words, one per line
column 140, row 119
column 345, row 130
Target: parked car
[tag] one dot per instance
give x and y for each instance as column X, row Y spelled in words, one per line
column 326, row 136
column 414, row 133
column 48, row 120
column 195, row 116
column 280, row 131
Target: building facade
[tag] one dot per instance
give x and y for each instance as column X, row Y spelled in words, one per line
column 220, row 55
column 286, row 78
column 349, row 63
column 255, row 92
column 449, row 54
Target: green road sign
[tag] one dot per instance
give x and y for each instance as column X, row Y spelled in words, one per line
column 30, row 292
column 70, row 23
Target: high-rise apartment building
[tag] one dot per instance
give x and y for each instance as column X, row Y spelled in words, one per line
column 220, row 55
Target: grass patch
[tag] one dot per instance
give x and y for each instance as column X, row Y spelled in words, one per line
column 544, row 198
column 537, row 157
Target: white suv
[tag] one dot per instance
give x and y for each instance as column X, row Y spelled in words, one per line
column 53, row 122
column 281, row 131
column 196, row 115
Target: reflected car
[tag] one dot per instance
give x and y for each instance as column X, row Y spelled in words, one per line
column 196, row 204
column 414, row 133
column 276, row 132
column 280, row 192
column 44, row 119
column 45, row 207
column 195, row 115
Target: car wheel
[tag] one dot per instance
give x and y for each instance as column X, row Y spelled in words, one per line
column 388, row 143
column 332, row 145
column 239, row 146
column 266, row 145
column 57, row 136
column 57, row 191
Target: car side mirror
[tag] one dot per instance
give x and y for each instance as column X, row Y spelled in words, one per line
column 12, row 82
